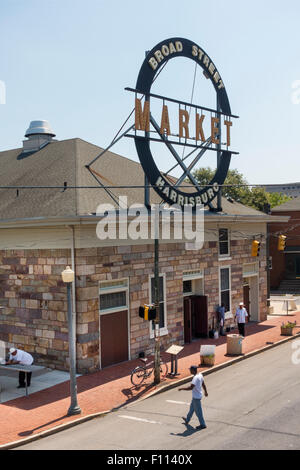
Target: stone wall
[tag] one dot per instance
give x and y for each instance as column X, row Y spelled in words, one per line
column 35, row 300
column 136, row 263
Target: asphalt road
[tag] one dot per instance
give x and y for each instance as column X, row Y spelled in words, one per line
column 254, row 404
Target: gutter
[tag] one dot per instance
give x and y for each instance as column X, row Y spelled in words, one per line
column 93, row 219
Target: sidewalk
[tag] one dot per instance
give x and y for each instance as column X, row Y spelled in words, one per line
column 111, row 388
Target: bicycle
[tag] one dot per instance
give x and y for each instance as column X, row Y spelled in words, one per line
column 140, row 373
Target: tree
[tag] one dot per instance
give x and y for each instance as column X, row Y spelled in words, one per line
column 276, row 199
column 240, row 191
column 237, row 188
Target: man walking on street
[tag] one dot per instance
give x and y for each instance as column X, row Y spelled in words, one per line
column 196, row 387
column 240, row 317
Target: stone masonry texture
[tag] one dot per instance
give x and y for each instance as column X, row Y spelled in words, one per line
column 35, row 298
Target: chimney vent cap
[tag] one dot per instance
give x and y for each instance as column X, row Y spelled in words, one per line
column 39, row 127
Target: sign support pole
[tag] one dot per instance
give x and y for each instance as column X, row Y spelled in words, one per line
column 219, row 196
column 147, row 189
column 156, row 293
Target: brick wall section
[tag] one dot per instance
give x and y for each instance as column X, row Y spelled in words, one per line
column 292, row 230
column 35, row 317
column 35, row 301
column 87, row 290
column 137, row 263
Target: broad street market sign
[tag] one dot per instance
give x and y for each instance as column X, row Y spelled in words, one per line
column 198, row 128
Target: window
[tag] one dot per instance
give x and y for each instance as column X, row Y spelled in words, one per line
column 161, row 300
column 113, row 295
column 223, row 242
column 225, row 287
column 113, row 300
column 187, row 287
column 162, row 305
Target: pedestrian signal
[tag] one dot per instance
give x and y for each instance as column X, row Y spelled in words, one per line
column 281, row 242
column 147, row 312
column 255, row 248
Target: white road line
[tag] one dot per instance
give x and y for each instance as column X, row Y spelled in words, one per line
column 139, row 419
column 177, row 402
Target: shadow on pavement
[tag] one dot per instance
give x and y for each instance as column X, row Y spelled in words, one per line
column 188, row 432
column 31, row 431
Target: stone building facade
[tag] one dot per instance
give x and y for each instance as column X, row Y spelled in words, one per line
column 34, row 296
column 53, row 225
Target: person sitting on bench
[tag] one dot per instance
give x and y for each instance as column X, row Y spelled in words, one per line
column 17, row 356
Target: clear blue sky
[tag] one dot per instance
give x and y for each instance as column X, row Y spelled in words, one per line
column 68, row 61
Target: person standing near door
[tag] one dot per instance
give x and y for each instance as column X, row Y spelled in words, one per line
column 240, row 317
column 221, row 318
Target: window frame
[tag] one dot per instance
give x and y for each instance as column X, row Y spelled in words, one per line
column 220, row 286
column 114, row 290
column 228, row 254
column 162, row 331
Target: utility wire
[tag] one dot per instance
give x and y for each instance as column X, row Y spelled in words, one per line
column 65, row 188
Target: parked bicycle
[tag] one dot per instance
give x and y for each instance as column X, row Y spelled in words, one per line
column 141, row 373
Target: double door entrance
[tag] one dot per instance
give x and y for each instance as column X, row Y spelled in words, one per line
column 195, row 317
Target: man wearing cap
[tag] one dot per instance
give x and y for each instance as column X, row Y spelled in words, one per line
column 196, row 387
column 17, row 356
column 240, row 317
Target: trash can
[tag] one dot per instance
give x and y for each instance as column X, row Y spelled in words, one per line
column 234, row 345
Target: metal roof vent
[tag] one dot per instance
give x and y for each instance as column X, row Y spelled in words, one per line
column 39, row 127
column 39, row 134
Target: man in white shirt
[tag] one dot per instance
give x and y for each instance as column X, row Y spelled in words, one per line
column 17, row 356
column 240, row 317
column 196, row 387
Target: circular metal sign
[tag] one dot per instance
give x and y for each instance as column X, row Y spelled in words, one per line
column 155, row 59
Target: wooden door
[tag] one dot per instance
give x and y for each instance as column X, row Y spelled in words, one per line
column 187, row 310
column 114, row 338
column 246, row 299
column 200, row 316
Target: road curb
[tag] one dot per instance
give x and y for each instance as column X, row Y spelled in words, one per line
column 160, row 389
column 218, row 367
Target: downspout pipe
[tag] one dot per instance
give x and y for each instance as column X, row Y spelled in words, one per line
column 74, row 313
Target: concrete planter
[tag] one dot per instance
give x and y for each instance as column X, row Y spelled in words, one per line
column 287, row 331
column 207, row 360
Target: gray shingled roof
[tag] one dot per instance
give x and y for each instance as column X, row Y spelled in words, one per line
column 292, row 205
column 65, row 161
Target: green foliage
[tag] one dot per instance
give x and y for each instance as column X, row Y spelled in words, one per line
column 289, row 325
column 276, row 199
column 240, row 191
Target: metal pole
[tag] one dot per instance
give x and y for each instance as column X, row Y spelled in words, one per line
column 74, row 407
column 156, row 294
column 147, row 189
column 268, row 268
column 219, row 147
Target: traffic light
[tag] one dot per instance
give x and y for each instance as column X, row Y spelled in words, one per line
column 255, row 248
column 281, row 242
column 147, row 312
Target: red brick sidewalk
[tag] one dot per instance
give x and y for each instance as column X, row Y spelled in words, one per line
column 111, row 388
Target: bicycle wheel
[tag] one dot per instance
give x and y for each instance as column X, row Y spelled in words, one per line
column 163, row 369
column 137, row 376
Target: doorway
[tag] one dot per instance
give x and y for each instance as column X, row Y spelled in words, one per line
column 246, row 297
column 195, row 317
column 251, row 297
column 114, row 338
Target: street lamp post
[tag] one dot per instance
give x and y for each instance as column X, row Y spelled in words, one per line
column 68, row 278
